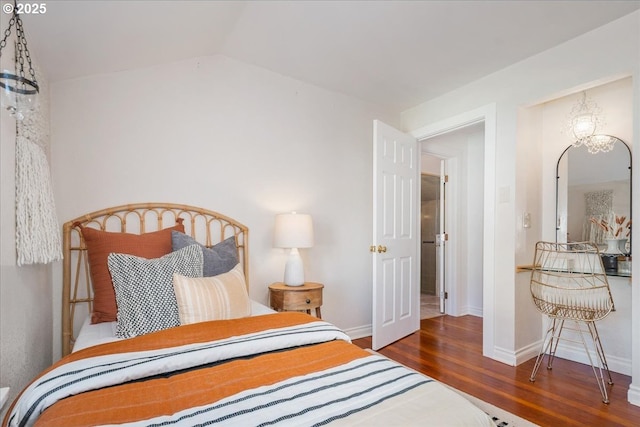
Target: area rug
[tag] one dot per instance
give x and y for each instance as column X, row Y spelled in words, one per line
column 500, row 417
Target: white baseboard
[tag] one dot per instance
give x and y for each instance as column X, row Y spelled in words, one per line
column 528, row 352
column 514, row 358
column 505, row 356
column 359, row 332
column 633, row 395
column 565, row 351
column 577, row 354
column 475, row 311
column 467, row 310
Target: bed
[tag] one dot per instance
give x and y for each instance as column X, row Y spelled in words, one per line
column 186, row 345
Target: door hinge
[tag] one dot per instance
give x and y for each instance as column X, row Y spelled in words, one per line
column 445, row 178
column 446, row 295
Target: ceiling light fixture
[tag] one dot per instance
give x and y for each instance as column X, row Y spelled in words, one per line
column 585, row 119
column 599, row 143
column 18, row 94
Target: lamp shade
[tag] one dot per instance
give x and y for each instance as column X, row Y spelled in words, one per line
column 293, row 230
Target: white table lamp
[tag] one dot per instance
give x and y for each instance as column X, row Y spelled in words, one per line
column 293, row 231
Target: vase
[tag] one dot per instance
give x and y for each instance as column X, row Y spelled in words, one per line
column 616, row 246
column 609, row 262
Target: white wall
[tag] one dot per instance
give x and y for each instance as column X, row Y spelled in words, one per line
column 527, row 198
column 25, row 292
column 474, row 221
column 235, row 138
column 541, row 128
column 603, row 54
column 250, row 143
column 616, row 101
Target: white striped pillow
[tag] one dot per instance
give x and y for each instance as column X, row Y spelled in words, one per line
column 212, row 298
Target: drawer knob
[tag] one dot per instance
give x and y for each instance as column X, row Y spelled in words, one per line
column 308, row 301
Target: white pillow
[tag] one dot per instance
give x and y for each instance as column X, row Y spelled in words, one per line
column 212, row 298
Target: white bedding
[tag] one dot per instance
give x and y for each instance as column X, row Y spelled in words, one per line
column 365, row 391
column 101, row 333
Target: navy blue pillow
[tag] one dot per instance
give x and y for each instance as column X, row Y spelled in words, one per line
column 218, row 259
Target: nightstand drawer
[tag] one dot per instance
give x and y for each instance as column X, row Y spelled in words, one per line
column 302, row 300
column 296, row 298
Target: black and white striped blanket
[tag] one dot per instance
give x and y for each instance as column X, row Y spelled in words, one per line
column 366, row 390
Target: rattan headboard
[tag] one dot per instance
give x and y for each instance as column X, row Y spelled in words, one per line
column 207, row 227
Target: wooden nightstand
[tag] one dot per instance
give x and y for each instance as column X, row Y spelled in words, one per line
column 296, row 298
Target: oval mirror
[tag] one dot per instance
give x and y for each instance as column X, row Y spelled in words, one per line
column 593, row 196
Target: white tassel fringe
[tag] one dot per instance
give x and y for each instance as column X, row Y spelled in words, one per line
column 37, row 230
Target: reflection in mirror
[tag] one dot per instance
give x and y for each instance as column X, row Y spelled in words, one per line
column 593, row 197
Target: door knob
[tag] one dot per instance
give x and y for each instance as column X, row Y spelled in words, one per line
column 382, row 249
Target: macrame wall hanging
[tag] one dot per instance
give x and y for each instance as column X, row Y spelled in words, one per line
column 599, row 206
column 37, row 229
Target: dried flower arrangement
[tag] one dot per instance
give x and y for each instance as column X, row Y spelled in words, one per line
column 615, row 230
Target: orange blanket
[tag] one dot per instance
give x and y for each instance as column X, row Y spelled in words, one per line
column 279, row 369
column 173, row 392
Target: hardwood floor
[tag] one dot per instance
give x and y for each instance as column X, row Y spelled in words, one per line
column 449, row 349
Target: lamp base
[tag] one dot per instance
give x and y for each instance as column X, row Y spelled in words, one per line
column 294, row 269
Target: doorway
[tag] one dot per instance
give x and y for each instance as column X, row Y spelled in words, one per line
column 462, row 151
column 486, row 116
column 429, row 229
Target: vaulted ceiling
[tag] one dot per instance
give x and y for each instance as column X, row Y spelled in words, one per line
column 393, row 53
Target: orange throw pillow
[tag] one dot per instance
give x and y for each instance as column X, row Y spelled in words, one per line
column 101, row 243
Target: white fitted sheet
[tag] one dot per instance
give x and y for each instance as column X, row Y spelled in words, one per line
column 101, row 333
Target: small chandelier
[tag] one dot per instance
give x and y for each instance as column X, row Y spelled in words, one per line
column 18, row 94
column 585, row 119
column 597, row 143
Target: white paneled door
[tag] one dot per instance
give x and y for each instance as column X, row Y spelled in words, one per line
column 396, row 234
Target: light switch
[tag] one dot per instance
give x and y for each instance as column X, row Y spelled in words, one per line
column 4, row 394
column 503, row 194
